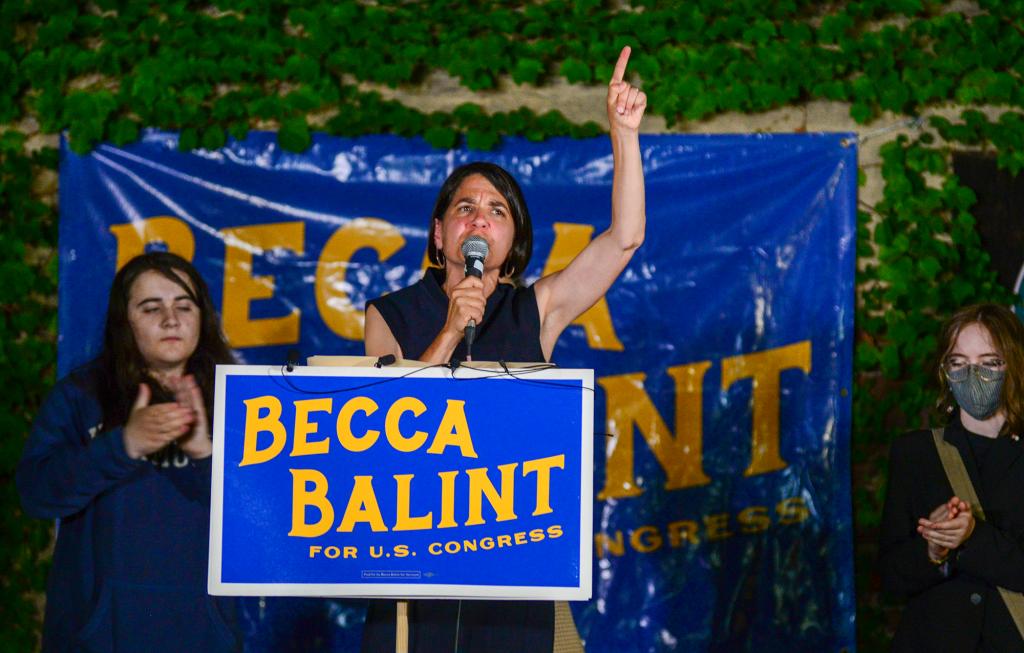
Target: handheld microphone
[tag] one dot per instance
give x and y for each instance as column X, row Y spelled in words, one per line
column 474, row 250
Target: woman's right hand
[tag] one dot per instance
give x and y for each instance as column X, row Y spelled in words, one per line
column 941, row 513
column 947, row 527
column 465, row 302
column 151, row 428
column 625, row 103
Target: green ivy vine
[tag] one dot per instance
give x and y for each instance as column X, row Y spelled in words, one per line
column 104, row 70
column 28, row 325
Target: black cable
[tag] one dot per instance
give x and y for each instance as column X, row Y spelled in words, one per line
column 287, row 381
column 516, row 375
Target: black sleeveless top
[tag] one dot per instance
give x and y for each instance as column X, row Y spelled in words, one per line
column 510, row 330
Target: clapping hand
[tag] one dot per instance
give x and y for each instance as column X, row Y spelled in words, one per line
column 947, row 527
column 196, row 443
column 151, row 428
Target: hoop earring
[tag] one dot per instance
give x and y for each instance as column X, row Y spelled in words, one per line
column 508, row 270
column 440, row 258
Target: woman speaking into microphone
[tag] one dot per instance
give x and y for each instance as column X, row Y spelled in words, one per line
column 427, row 320
column 481, row 239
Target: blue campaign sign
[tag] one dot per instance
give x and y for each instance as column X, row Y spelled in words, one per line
column 402, row 482
column 722, row 355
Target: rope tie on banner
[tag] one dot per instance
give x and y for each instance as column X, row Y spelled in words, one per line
column 915, row 123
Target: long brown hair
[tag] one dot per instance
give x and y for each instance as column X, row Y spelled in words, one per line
column 121, row 367
column 1007, row 333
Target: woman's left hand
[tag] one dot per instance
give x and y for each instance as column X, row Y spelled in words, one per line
column 949, row 533
column 196, row 443
column 626, row 103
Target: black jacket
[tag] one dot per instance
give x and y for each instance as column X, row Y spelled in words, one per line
column 956, row 608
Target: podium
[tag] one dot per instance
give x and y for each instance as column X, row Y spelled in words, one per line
column 402, row 481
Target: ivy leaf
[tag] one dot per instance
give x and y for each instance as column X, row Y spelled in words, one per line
column 294, row 135
column 833, row 27
column 268, row 107
column 481, row 139
column 443, row 138
column 589, row 129
column 890, row 361
column 585, row 6
column 213, row 138
column 527, row 71
column 188, row 140
column 302, row 100
column 469, row 113
column 905, row 7
column 961, row 290
column 1000, row 88
column 575, row 71
column 929, row 267
column 11, row 142
column 893, row 94
column 760, row 32
column 301, row 69
column 123, row 131
column 55, row 31
column 861, row 113
column 795, row 32
column 238, row 130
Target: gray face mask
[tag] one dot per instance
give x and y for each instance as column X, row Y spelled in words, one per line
column 977, row 389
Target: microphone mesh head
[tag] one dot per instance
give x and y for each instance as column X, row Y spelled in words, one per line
column 475, row 247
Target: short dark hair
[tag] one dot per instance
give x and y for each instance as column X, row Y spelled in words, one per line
column 505, row 184
column 121, row 367
column 1007, row 333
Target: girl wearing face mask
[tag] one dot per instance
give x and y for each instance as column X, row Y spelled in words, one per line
column 952, row 534
column 119, row 455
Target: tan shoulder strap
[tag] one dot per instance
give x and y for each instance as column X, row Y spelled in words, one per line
column 567, row 639
column 953, row 464
column 957, row 473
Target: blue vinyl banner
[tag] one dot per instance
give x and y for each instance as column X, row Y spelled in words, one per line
column 722, row 355
column 402, row 482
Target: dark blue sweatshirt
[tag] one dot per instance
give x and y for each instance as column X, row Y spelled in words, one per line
column 130, row 564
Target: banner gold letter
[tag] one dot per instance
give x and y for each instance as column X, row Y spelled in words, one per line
column 241, row 287
column 331, row 291
column 627, row 403
column 132, row 237
column 764, row 367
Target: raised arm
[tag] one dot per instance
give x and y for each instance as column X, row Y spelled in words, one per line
column 565, row 295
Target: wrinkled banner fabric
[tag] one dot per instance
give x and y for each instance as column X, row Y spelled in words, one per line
column 722, row 355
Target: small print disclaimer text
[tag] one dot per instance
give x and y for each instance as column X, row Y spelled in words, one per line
column 391, row 574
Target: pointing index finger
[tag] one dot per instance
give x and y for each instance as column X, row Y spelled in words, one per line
column 620, row 65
